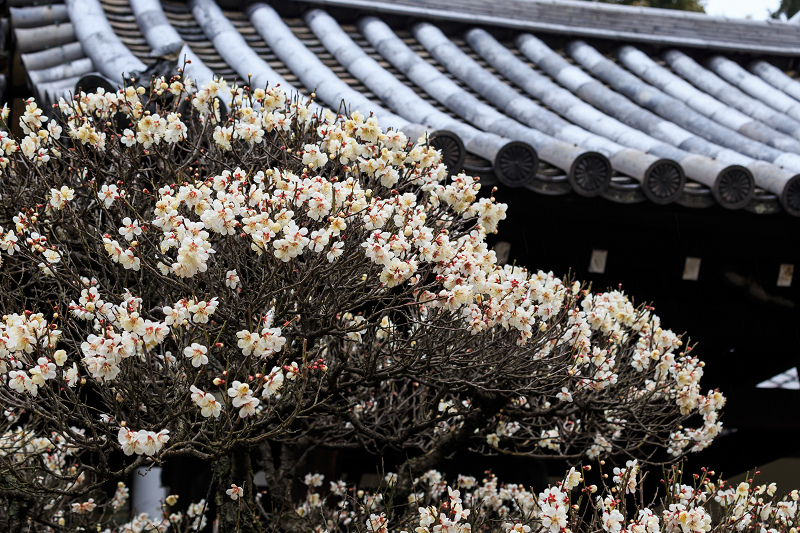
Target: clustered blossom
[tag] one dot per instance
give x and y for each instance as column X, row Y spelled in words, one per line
column 142, row 441
column 126, row 332
column 208, row 404
column 680, row 519
column 242, row 398
column 625, row 478
column 121, row 255
column 264, row 343
column 455, row 520
column 152, row 129
column 20, row 337
column 120, row 496
column 511, row 508
column 491, row 505
column 60, row 197
column 273, row 382
column 38, row 143
column 666, row 372
column 56, row 451
column 271, row 259
column 84, row 507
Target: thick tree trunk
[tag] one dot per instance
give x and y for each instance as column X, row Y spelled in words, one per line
column 16, row 504
column 240, row 515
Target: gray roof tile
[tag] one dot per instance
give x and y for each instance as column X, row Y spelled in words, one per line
column 686, row 152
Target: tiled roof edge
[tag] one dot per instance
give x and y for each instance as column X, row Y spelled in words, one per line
column 579, row 31
column 652, row 11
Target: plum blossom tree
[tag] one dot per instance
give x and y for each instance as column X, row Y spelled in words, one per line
column 244, row 285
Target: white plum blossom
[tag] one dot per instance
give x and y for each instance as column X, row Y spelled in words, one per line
column 265, row 343
column 613, row 521
column 232, row 279
column 273, row 382
column 235, row 492
column 242, row 397
column 253, row 259
column 314, row 157
column 627, row 476
column 84, row 507
column 203, row 310
column 108, row 194
column 142, row 442
column 196, row 353
column 208, row 404
column 60, row 197
column 130, row 229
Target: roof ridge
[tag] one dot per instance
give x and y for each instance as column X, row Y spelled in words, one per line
column 593, row 19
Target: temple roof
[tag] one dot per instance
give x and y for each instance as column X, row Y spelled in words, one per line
column 558, row 96
column 579, row 18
